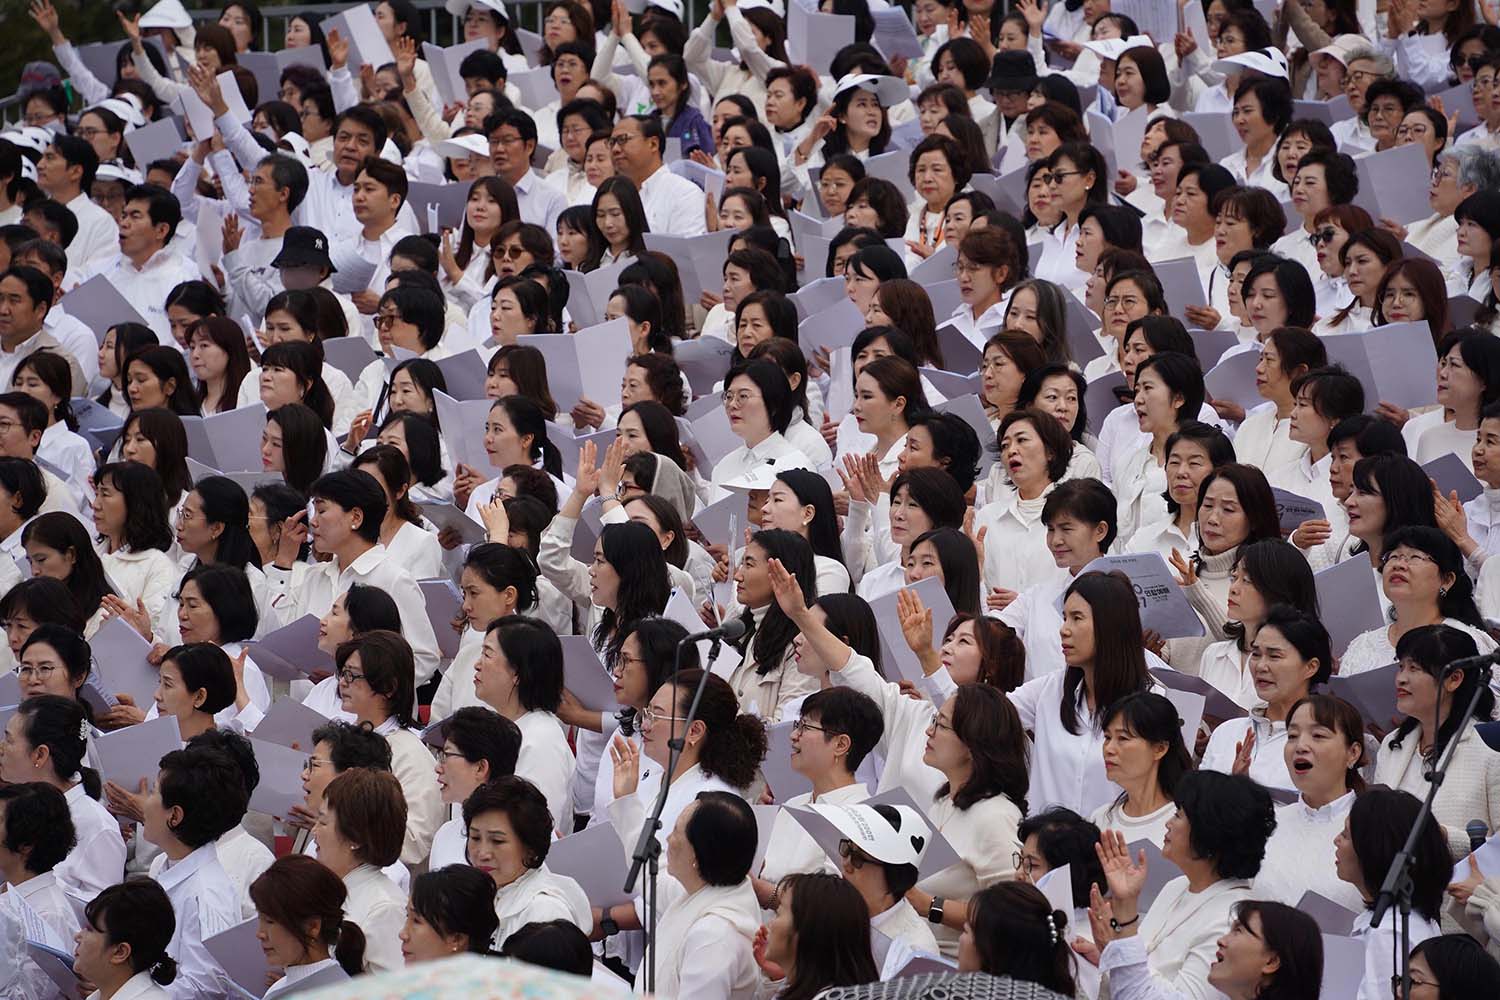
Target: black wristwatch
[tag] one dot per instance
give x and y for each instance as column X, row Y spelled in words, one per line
column 608, row 926
column 935, row 911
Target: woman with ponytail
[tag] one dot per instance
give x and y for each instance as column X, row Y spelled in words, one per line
column 122, row 948
column 45, row 741
column 1014, row 931
column 302, row 927
column 497, row 580
column 514, row 434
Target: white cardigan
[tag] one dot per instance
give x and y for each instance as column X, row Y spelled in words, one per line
column 1470, row 791
column 1181, row 932
column 538, row 896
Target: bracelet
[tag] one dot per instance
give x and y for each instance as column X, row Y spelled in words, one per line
column 1115, row 925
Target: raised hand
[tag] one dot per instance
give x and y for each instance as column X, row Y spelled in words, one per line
column 132, row 28
column 976, row 538
column 45, row 16
column 850, row 476
column 787, row 590
column 619, row 17
column 586, row 482
column 916, row 621
column 1187, row 573
column 1461, row 891
column 1035, row 13
column 293, row 534
column 231, row 233
column 206, row 85
column 405, row 51
column 338, row 50
column 1126, row 876
column 626, row 757
column 135, row 615
column 496, row 521
column 1244, row 750
column 613, row 468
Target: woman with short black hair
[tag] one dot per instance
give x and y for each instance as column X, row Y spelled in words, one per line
column 451, row 910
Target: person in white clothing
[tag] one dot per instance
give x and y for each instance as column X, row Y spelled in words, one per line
column 1217, row 838
column 509, row 831
column 38, row 833
column 820, row 935
column 1264, row 437
column 520, row 675
column 66, row 174
column 673, row 204
column 146, row 267
column 1377, row 824
column 401, row 531
column 1144, row 754
column 1015, row 932
column 199, row 796
column 348, row 508
column 360, row 830
column 375, row 684
column 1430, row 697
column 1324, row 751
column 451, row 910
column 302, row 927
column 1034, row 452
column 122, row 947
column 478, row 745
column 43, row 743
column 834, row 732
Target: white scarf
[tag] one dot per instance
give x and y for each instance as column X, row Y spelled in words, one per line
column 736, row 904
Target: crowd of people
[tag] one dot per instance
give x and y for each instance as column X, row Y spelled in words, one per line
column 1083, row 447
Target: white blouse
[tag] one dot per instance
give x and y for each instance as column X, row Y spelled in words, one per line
column 379, row 908
column 1299, row 855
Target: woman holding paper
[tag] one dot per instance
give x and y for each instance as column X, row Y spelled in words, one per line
column 375, row 674
column 44, row 742
column 130, row 513
column 1289, row 656
column 137, row 914
column 921, row 500
column 1430, row 696
column 1324, row 752
column 1422, row 575
column 302, row 927
column 1373, row 835
column 1144, row 755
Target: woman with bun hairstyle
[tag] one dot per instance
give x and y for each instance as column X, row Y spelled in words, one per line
column 122, row 948
column 1013, row 931
column 302, row 927
column 44, row 742
column 497, row 580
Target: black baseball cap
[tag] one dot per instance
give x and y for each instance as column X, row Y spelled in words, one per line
column 304, row 246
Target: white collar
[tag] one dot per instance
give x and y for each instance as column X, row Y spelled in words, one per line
column 294, row 973
column 1333, row 811
column 174, row 873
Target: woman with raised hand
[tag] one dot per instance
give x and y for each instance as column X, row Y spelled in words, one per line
column 1289, row 657
column 1145, row 756
column 921, row 500
column 1422, row 575
column 1218, row 839
column 1266, row 573
column 520, row 675
column 509, row 831
column 1431, row 695
column 302, row 928
column 1324, row 753
column 376, row 674
column 45, row 741
column 767, row 680
column 451, row 910
column 1374, row 833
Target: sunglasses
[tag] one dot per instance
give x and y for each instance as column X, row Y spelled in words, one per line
column 1325, row 235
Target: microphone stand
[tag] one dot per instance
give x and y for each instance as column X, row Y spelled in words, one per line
column 1397, row 889
column 647, row 852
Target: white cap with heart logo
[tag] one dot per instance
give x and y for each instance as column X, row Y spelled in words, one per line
column 872, row 830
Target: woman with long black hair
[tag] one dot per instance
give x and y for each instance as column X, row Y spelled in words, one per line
column 767, row 679
column 801, row 502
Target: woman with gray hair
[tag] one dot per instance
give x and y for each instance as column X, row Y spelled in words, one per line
column 1364, row 65
column 1460, row 172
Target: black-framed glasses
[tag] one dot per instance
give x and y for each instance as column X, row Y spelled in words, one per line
column 800, row 726
column 350, row 676
column 852, row 854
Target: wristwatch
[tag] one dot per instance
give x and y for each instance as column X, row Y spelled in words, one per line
column 608, row 926
column 935, row 911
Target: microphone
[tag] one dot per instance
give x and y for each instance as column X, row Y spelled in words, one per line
column 730, row 630
column 1472, row 662
column 1477, row 832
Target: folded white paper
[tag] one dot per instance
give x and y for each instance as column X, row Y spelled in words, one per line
column 135, row 752
column 291, row 652
column 782, row 780
column 898, row 658
column 463, row 429
column 594, row 857
column 121, row 655
column 1348, row 601
column 280, row 785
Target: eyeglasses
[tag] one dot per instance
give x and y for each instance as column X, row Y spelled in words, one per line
column 619, row 141
column 1024, row 865
column 937, row 724
column 505, row 140
column 39, row 119
column 650, row 717
column 1056, row 177
column 1322, row 236
column 39, row 673
column 1361, row 75
column 313, row 763
column 350, row 676
column 88, row 134
column 448, row 755
column 800, row 726
column 1406, row 558
column 742, row 398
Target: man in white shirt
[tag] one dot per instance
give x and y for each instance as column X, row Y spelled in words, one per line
column 146, row 269
column 77, row 340
column 348, row 507
column 25, row 299
column 278, row 186
column 512, row 135
column 674, row 205
column 65, row 172
column 379, row 194
column 198, row 797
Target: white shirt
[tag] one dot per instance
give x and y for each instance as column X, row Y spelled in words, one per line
column 746, row 458
column 1015, row 542
column 906, row 721
column 1264, row 440
column 311, row 588
column 205, row 904
column 1262, row 176
column 1035, row 618
column 984, row 835
column 97, row 860
column 412, row 764
column 1299, row 855
column 1152, row 826
column 149, row 576
column 674, row 205
column 541, row 203
column 1373, row 649
column 547, row 762
column 791, row 849
column 417, row 550
column 1381, row 948
column 146, row 287
column 538, row 896
column 306, row 977
column 1429, row 437
column 138, row 987
column 69, row 452
column 44, row 895
column 1267, row 757
column 98, row 238
column 379, row 908
column 77, row 340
